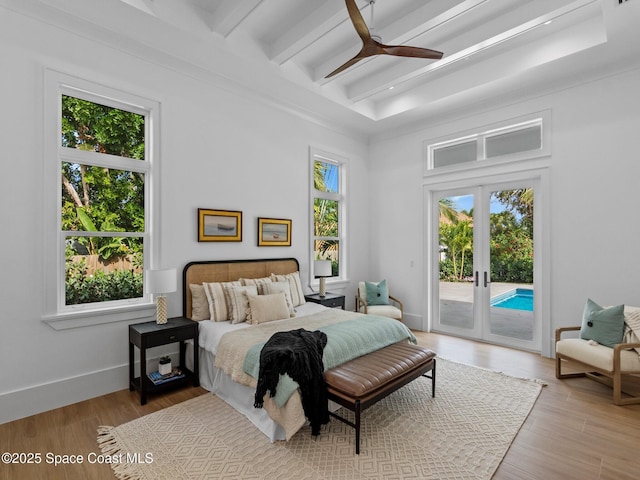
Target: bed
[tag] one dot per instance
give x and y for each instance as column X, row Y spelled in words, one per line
column 229, row 348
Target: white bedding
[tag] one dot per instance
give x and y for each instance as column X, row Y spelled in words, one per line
column 238, row 396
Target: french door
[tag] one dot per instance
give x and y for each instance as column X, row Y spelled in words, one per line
column 484, row 263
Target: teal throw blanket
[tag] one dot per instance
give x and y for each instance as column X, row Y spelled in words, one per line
column 345, row 341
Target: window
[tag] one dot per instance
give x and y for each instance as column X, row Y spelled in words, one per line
column 98, row 164
column 509, row 141
column 329, row 211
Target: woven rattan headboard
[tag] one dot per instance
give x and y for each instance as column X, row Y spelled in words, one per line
column 230, row 270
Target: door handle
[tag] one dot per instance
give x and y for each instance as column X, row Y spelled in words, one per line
column 486, row 280
column 477, row 278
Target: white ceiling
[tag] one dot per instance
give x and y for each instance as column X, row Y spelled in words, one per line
column 281, row 50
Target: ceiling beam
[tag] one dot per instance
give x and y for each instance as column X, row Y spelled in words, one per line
column 315, row 25
column 230, row 14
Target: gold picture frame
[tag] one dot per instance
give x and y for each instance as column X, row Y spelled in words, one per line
column 219, row 225
column 274, row 232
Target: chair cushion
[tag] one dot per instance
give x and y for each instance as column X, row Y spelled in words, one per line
column 603, row 325
column 597, row 355
column 384, row 311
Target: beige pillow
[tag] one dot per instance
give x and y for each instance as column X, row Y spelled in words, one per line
column 199, row 303
column 281, row 287
column 260, row 283
column 297, row 295
column 215, row 292
column 238, row 303
column 267, row 308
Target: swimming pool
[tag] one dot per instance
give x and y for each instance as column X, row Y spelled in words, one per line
column 516, row 299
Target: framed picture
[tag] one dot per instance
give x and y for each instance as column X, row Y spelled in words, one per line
column 219, row 225
column 274, row 232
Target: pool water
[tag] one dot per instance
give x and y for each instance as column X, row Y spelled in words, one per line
column 516, row 299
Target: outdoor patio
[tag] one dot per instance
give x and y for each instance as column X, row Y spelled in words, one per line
column 456, row 310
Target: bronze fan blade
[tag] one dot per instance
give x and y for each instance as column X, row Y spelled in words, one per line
column 372, row 47
column 417, row 52
column 358, row 21
column 351, row 62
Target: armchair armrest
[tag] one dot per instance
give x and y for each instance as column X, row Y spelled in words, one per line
column 394, row 299
column 560, row 330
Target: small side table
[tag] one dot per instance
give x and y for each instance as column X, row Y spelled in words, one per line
column 329, row 300
column 150, row 334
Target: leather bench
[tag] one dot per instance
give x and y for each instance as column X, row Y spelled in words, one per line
column 365, row 380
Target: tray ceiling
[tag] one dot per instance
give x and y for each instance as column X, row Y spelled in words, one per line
column 281, row 50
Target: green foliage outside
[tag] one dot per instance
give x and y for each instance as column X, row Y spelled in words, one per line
column 100, row 199
column 511, row 240
column 101, row 286
column 326, row 217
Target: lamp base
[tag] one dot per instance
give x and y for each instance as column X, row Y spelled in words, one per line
column 323, row 287
column 161, row 310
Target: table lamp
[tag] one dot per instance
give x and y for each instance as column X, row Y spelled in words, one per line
column 161, row 282
column 321, row 270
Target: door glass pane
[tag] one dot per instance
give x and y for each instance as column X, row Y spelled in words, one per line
column 511, row 264
column 456, row 261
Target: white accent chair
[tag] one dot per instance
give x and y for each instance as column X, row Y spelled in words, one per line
column 392, row 310
column 601, row 363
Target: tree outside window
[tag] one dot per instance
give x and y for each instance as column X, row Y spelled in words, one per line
column 102, row 211
column 327, row 212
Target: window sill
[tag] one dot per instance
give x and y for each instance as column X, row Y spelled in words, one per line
column 88, row 318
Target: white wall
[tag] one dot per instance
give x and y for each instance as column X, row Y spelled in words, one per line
column 218, row 150
column 594, row 198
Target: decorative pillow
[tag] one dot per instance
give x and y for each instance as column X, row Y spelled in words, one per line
column 267, row 308
column 215, row 292
column 281, row 287
column 260, row 283
column 631, row 326
column 238, row 303
column 297, row 295
column 199, row 303
column 377, row 293
column 603, row 325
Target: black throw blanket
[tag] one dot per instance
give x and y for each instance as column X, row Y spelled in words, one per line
column 297, row 353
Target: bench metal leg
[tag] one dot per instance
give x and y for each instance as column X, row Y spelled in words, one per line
column 433, row 379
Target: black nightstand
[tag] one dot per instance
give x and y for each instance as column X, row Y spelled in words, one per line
column 329, row 300
column 150, row 334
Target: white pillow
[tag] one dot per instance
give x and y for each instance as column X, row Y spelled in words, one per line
column 215, row 292
column 281, row 287
column 238, row 303
column 297, row 295
column 267, row 308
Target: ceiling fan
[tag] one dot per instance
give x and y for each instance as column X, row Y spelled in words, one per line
column 372, row 44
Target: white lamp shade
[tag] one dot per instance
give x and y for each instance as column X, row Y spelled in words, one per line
column 162, row 281
column 322, row 268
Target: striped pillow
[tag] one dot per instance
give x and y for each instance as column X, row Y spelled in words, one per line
column 238, row 303
column 259, row 283
column 297, row 295
column 215, row 293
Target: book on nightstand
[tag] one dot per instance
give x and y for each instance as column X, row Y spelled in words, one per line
column 157, row 378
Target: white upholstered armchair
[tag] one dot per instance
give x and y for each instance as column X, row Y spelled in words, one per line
column 379, row 302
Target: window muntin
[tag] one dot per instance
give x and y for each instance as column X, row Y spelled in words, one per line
column 328, row 202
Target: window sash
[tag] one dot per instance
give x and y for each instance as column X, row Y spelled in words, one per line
column 56, row 313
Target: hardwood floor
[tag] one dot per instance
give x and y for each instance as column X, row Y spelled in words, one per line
column 573, row 431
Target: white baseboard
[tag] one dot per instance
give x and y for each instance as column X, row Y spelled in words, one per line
column 40, row 398
column 414, row 322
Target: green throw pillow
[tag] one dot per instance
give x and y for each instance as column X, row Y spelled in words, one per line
column 377, row 294
column 603, row 325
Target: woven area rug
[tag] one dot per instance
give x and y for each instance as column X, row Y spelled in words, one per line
column 462, row 433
